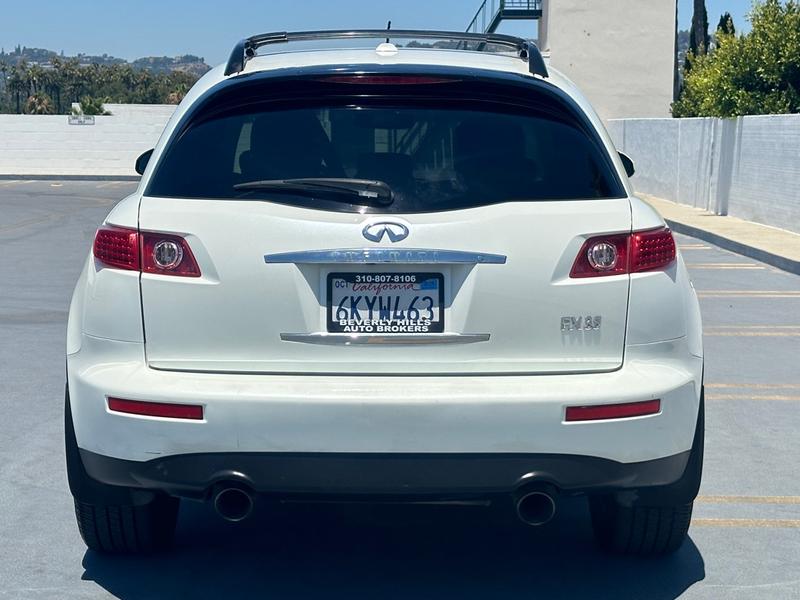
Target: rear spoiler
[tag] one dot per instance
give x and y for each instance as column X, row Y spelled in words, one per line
column 525, row 49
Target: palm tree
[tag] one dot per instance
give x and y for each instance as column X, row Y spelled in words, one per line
column 4, row 68
column 53, row 83
column 73, row 80
column 177, row 94
column 39, row 104
column 18, row 84
column 93, row 106
column 34, row 74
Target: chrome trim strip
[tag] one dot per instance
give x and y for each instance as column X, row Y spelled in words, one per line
column 363, row 256
column 398, row 339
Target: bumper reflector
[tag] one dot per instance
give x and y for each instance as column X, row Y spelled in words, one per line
column 156, row 409
column 613, row 411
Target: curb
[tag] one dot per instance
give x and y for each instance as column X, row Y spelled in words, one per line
column 776, row 260
column 71, row 177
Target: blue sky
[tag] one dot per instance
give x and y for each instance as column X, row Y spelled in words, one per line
column 209, row 28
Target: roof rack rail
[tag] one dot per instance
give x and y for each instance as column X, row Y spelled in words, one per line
column 246, row 49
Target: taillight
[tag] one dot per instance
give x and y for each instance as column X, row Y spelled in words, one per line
column 149, row 252
column 651, row 250
column 167, row 255
column 587, row 263
column 627, row 253
column 117, row 247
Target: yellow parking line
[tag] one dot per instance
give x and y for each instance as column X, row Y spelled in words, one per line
column 777, row 523
column 752, row 333
column 725, row 266
column 748, row 499
column 749, row 294
column 761, row 386
column 781, row 397
column 721, row 327
column 752, row 330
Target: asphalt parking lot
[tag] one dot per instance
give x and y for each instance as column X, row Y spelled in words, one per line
column 745, row 537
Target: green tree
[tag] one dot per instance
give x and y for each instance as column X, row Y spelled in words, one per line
column 725, row 24
column 756, row 73
column 177, row 94
column 65, row 81
column 18, row 85
column 39, row 104
column 5, row 104
column 698, row 38
column 93, row 106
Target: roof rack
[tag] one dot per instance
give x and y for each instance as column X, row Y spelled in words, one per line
column 246, row 49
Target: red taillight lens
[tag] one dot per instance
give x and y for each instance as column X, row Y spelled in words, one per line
column 168, row 255
column 156, row 409
column 585, row 266
column 612, row 411
column 117, row 247
column 631, row 253
column 146, row 252
column 651, row 250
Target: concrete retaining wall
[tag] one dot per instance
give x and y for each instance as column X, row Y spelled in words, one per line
column 747, row 167
column 49, row 145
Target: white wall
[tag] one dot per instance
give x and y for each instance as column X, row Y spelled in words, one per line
column 48, row 145
column 621, row 53
column 747, row 167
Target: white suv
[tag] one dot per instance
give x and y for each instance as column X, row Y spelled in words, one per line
column 416, row 271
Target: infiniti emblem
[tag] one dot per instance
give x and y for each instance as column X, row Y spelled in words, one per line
column 374, row 232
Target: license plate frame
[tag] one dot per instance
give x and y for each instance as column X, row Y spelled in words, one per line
column 394, row 325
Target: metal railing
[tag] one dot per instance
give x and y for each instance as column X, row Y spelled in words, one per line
column 491, row 12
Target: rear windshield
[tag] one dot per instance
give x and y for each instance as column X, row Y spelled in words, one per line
column 432, row 158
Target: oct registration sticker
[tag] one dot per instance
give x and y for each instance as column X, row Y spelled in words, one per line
column 385, row 303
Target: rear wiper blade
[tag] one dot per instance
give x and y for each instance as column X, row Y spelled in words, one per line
column 368, row 191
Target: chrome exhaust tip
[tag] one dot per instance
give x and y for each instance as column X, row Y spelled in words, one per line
column 233, row 503
column 536, row 507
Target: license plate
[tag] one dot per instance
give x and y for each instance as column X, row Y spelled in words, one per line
column 385, row 303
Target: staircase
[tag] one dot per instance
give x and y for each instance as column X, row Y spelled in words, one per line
column 492, row 12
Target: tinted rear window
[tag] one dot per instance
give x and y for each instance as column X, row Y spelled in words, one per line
column 433, row 157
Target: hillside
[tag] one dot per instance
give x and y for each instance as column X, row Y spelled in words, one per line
column 186, row 63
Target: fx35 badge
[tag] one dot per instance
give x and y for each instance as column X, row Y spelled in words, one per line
column 587, row 323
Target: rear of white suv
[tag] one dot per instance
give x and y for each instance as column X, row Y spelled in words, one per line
column 410, row 273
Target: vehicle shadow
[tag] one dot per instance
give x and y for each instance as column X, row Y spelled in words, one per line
column 390, row 551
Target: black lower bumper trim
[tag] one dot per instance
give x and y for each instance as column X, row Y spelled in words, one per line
column 333, row 474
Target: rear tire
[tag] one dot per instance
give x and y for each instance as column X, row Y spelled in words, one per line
column 657, row 522
column 115, row 519
column 128, row 529
column 639, row 530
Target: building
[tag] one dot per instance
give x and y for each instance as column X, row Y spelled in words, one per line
column 621, row 53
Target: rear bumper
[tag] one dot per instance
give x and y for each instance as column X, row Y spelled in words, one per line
column 288, row 415
column 438, row 476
